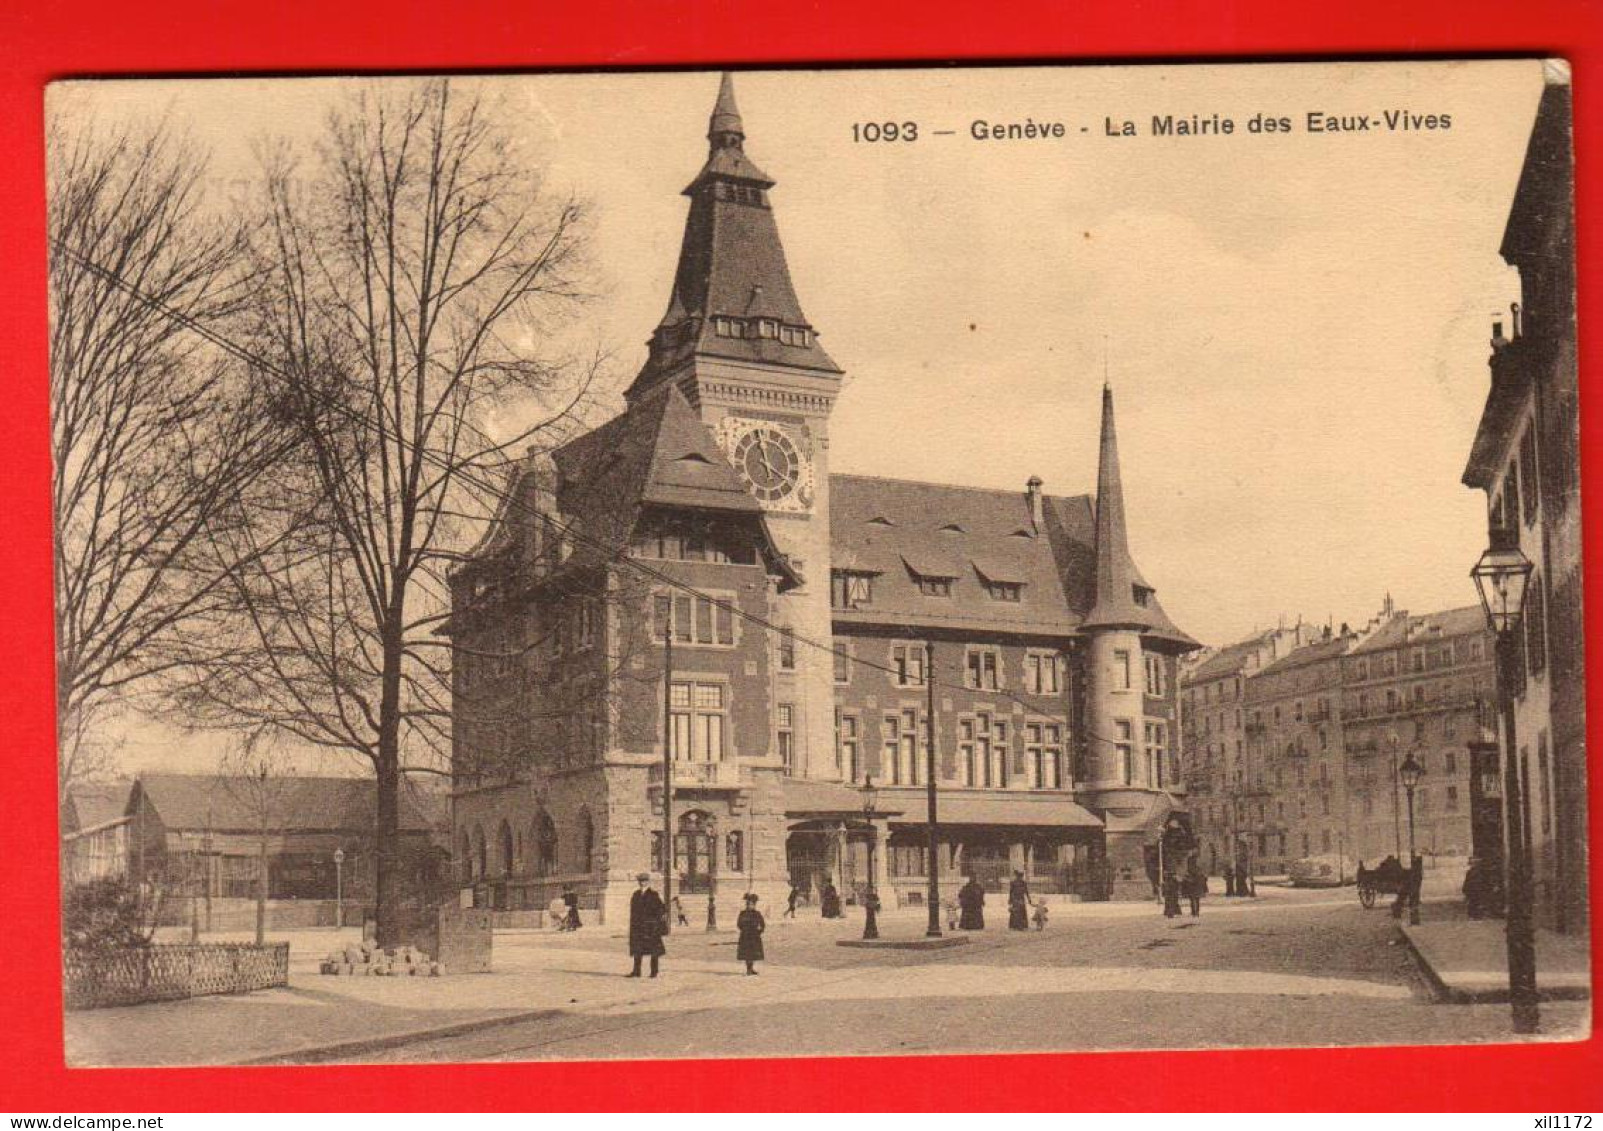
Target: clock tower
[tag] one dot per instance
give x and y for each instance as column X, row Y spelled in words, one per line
column 735, row 342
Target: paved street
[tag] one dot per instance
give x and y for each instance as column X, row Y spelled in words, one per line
column 1295, row 968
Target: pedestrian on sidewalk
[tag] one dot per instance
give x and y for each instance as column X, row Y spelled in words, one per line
column 1196, row 886
column 570, row 900
column 1171, row 894
column 751, row 925
column 648, row 922
column 1018, row 899
column 1040, row 915
column 679, row 913
column 829, row 900
column 790, row 901
column 712, row 913
column 951, row 913
column 971, row 898
column 1230, row 881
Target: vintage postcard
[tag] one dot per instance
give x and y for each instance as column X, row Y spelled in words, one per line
column 840, row 562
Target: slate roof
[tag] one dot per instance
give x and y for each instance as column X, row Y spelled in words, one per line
column 1403, row 630
column 896, row 529
column 731, row 263
column 1309, row 654
column 1227, row 661
column 93, row 806
column 202, row 801
column 1116, row 574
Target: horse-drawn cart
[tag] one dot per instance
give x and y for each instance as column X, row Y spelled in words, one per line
column 1389, row 877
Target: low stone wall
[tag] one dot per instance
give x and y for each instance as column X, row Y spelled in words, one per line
column 131, row 975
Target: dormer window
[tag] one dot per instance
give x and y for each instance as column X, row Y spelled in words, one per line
column 728, row 327
column 1009, row 591
column 850, row 589
column 767, row 328
column 935, row 586
column 1142, row 595
column 795, row 335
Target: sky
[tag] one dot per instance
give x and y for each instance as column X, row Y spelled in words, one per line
column 1295, row 325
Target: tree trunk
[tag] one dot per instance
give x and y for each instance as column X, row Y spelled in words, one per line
column 388, row 773
column 261, row 891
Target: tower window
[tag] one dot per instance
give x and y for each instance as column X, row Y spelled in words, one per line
column 767, row 328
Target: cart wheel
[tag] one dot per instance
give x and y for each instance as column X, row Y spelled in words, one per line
column 1366, row 896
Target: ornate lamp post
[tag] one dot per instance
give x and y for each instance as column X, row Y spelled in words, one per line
column 339, row 887
column 1500, row 577
column 870, row 897
column 1409, row 774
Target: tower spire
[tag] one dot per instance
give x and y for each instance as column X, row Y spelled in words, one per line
column 1116, row 576
column 724, row 128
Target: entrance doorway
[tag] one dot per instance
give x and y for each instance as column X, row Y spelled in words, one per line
column 696, row 853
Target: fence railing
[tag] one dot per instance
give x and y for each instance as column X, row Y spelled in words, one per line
column 131, row 975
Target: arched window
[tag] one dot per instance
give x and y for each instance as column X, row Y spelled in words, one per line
column 545, row 845
column 481, row 853
column 587, row 841
column 509, row 857
column 464, row 856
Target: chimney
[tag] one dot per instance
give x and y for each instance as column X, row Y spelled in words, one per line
column 1032, row 493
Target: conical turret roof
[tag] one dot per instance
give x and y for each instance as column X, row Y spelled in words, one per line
column 1117, row 578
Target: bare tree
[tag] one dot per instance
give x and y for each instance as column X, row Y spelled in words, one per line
column 413, row 275
column 152, row 432
column 257, row 775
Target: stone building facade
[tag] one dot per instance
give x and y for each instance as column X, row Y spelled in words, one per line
column 1292, row 739
column 1526, row 458
column 692, row 574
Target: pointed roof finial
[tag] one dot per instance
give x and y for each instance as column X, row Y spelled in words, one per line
column 1116, row 575
column 725, row 123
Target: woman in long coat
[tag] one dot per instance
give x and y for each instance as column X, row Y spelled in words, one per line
column 1018, row 902
column 750, row 924
column 971, row 898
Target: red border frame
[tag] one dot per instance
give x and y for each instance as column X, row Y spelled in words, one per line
column 116, row 37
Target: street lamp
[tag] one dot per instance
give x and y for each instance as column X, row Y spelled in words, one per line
column 870, row 898
column 1500, row 578
column 339, row 887
column 1409, row 774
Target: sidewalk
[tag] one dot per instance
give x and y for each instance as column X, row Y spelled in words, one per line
column 536, row 974
column 1466, row 960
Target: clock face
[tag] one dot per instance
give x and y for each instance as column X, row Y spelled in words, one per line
column 768, row 460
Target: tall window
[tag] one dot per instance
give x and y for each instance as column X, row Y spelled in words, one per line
column 1544, row 783
column 846, row 745
column 908, row 662
column 1535, row 627
column 901, row 747
column 787, row 651
column 545, row 845
column 699, row 712
column 1124, row 748
column 1157, row 744
column 843, row 663
column 696, row 619
column 735, row 851
column 1043, row 749
column 1155, row 673
column 1121, row 670
column 785, row 735
column 982, row 750
column 1528, row 482
column 1042, row 673
column 982, row 669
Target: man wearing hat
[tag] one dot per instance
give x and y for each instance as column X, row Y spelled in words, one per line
column 648, row 922
column 750, row 923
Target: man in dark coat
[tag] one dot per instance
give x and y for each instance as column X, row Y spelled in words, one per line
column 971, row 898
column 570, row 900
column 1171, row 893
column 1194, row 886
column 1018, row 902
column 751, row 925
column 648, row 922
